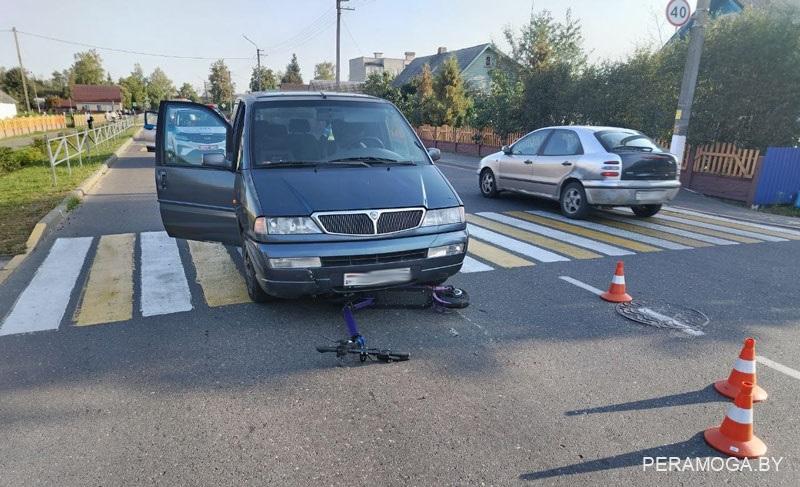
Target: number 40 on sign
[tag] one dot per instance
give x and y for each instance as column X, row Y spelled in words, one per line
column 678, row 12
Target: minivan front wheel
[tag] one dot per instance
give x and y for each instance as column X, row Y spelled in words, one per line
column 254, row 290
column 573, row 201
column 644, row 211
column 488, row 183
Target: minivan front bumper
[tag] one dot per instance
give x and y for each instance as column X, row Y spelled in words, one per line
column 329, row 278
column 627, row 193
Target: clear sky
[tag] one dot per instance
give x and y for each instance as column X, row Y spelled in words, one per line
column 214, row 28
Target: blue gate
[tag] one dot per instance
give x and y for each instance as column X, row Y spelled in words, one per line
column 779, row 181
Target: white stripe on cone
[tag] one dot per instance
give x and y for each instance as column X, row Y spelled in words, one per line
column 741, row 416
column 618, row 279
column 745, row 366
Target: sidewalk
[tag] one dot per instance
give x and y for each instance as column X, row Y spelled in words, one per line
column 686, row 199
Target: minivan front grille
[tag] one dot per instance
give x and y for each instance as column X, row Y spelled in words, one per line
column 370, row 222
column 367, row 259
column 397, row 221
column 348, row 223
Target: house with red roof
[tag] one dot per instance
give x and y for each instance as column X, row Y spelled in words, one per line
column 94, row 98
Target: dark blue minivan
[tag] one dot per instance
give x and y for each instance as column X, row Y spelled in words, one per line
column 325, row 192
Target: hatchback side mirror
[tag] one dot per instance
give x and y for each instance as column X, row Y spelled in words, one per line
column 216, row 159
column 434, row 153
column 506, row 150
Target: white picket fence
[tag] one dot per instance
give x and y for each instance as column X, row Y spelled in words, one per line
column 65, row 148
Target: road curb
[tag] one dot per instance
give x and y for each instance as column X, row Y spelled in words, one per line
column 744, row 219
column 59, row 213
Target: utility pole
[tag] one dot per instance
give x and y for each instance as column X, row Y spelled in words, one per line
column 258, row 61
column 21, row 70
column 689, row 82
column 339, row 9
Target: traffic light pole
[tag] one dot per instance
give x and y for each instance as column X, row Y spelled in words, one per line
column 689, row 82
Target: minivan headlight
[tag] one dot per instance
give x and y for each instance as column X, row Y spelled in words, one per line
column 445, row 216
column 285, row 225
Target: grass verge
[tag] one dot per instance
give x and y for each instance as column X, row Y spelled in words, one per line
column 785, row 210
column 28, row 194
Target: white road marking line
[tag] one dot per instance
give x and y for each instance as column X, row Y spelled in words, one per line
column 515, row 245
column 732, row 220
column 779, row 367
column 42, row 304
column 164, row 286
column 613, row 231
column 472, row 265
column 673, row 322
column 556, row 234
column 663, row 228
column 581, row 285
column 733, row 231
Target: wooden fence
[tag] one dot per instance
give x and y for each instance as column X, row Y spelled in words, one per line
column 80, row 120
column 27, row 125
column 465, row 135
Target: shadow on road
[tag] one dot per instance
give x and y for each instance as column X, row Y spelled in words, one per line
column 706, row 394
column 693, row 447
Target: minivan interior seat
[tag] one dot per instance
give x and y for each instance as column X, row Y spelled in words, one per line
column 303, row 145
column 270, row 142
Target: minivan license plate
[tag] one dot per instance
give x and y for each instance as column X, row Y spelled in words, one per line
column 650, row 195
column 375, row 278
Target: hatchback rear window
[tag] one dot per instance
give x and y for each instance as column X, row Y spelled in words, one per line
column 617, row 140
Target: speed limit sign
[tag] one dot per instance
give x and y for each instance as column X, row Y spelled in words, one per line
column 678, row 12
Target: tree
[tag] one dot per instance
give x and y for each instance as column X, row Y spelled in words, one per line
column 292, row 74
column 11, row 83
column 222, row 87
column 454, row 104
column 136, row 86
column 501, row 108
column 87, row 68
column 423, row 107
column 325, row 70
column 159, row 87
column 543, row 42
column 188, row 92
column 264, row 79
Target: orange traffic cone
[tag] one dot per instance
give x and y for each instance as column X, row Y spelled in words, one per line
column 616, row 292
column 735, row 436
column 744, row 370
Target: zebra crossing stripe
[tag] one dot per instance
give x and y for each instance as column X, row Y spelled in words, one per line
column 495, row 255
column 472, row 265
column 614, row 231
column 653, row 233
column 42, row 304
column 589, row 233
column 533, row 238
column 514, row 245
column 667, row 229
column 704, row 231
column 780, row 231
column 108, row 295
column 220, row 280
column 557, row 234
column 727, row 229
column 164, row 286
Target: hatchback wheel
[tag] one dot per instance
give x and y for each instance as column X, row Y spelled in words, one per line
column 573, row 201
column 644, row 211
column 254, row 290
column 488, row 184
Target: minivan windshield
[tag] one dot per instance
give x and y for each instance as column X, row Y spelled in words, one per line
column 333, row 132
column 621, row 140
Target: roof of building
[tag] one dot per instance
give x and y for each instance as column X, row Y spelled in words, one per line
column 463, row 56
column 6, row 98
column 96, row 93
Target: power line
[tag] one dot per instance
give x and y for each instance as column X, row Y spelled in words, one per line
column 350, row 34
column 130, row 51
column 317, row 25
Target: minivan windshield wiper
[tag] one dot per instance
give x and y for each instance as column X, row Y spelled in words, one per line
column 374, row 160
column 313, row 164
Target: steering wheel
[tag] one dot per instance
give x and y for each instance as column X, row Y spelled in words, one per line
column 370, row 141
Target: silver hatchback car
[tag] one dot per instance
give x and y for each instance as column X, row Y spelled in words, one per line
column 582, row 167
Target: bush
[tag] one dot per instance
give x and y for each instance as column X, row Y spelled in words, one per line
column 8, row 162
column 28, row 156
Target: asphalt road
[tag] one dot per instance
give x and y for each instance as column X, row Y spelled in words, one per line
column 538, row 382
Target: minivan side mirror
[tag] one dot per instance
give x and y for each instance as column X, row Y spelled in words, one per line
column 216, row 159
column 434, row 153
column 506, row 150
